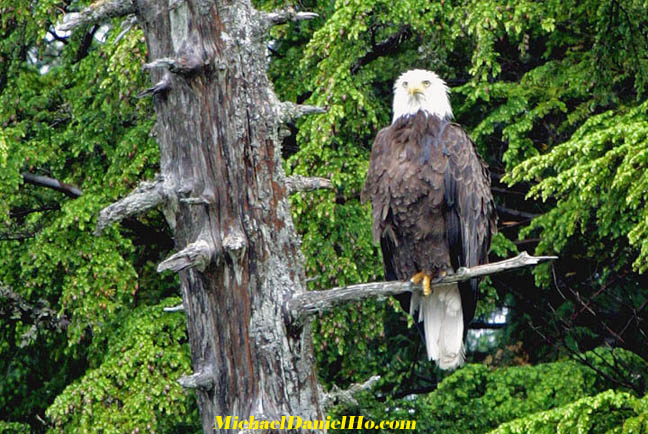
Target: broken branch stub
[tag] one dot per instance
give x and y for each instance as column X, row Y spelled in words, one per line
column 196, row 255
column 185, row 65
column 146, row 196
column 298, row 183
column 285, row 15
column 289, row 111
column 199, row 380
column 347, row 396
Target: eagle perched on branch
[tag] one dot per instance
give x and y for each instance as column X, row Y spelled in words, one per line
column 432, row 208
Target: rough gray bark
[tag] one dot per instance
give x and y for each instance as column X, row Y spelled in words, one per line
column 348, row 395
column 218, row 124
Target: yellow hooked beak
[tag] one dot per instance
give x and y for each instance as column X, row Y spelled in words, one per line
column 414, row 90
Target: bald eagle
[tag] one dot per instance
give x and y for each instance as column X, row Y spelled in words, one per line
column 432, row 210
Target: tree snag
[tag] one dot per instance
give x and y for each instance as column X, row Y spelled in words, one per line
column 223, row 191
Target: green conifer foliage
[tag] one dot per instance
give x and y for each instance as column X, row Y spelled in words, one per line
column 553, row 94
column 564, row 397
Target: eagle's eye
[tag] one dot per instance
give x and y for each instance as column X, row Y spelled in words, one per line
column 426, row 83
column 405, row 84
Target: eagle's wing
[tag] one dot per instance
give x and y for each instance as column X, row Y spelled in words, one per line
column 375, row 190
column 470, row 214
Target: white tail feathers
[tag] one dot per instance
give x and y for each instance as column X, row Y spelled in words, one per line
column 442, row 318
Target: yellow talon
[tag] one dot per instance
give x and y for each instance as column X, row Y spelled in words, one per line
column 426, row 285
column 426, row 279
column 416, row 279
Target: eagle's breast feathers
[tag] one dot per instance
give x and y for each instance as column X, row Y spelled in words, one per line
column 426, row 183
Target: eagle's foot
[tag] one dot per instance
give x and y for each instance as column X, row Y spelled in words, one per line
column 442, row 274
column 424, row 277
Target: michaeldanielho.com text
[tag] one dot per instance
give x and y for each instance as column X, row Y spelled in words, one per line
column 296, row 422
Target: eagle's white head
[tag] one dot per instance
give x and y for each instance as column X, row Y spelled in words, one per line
column 419, row 89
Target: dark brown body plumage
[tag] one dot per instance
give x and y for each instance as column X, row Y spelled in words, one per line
column 431, row 201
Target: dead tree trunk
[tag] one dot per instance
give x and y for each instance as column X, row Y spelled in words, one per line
column 217, row 126
column 223, row 192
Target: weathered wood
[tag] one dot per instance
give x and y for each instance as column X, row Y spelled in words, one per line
column 126, row 25
column 96, row 12
column 347, row 396
column 146, row 196
column 196, row 255
column 285, row 15
column 289, row 111
column 224, row 194
column 297, row 183
column 218, row 124
column 161, row 86
column 187, row 64
column 199, row 380
column 312, row 302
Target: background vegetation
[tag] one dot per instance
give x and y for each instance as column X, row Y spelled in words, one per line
column 554, row 95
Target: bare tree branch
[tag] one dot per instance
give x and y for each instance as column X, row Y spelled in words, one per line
column 507, row 191
column 383, row 48
column 312, row 302
column 126, row 25
column 13, row 305
column 620, row 380
column 202, row 379
column 297, row 183
column 45, row 181
column 285, row 15
column 86, row 43
column 57, row 37
column 337, row 395
column 482, row 325
column 516, row 213
column 290, row 111
column 96, row 12
column 17, row 213
column 146, row 196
